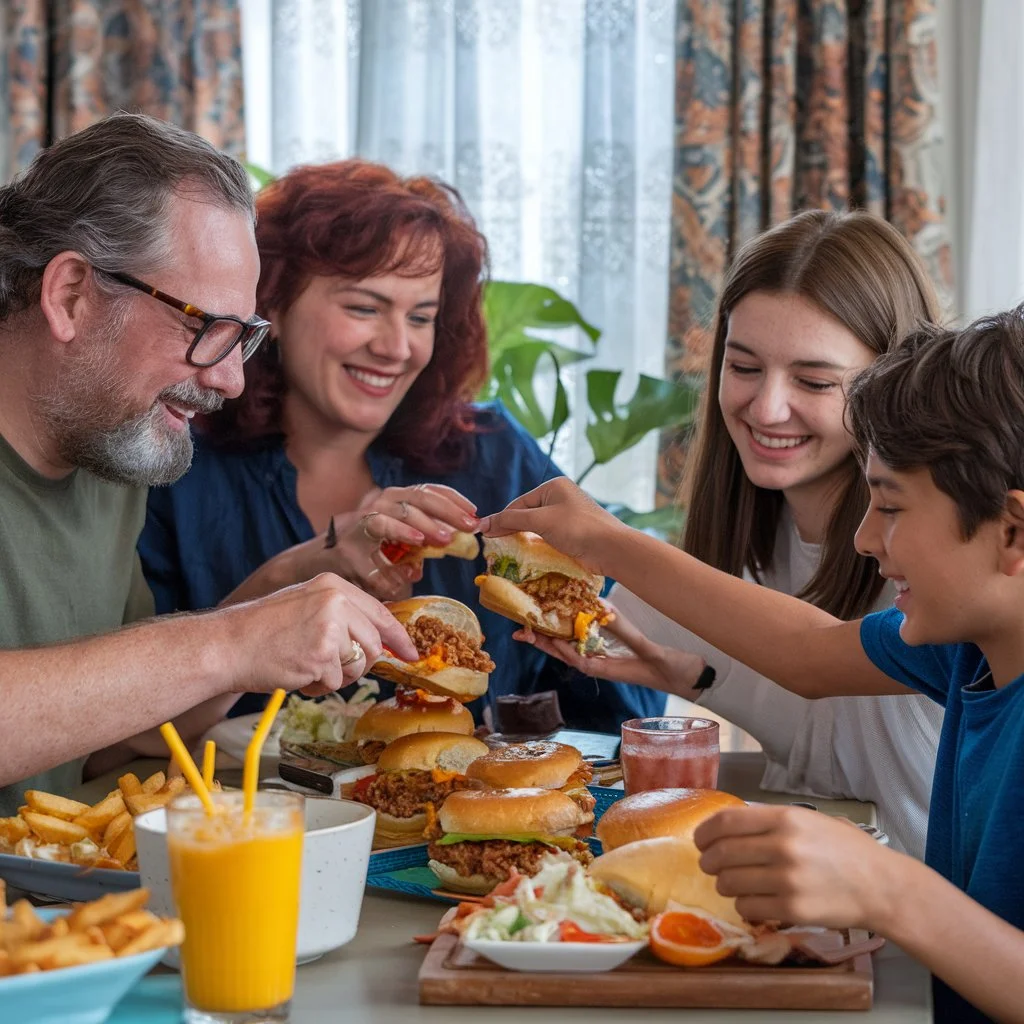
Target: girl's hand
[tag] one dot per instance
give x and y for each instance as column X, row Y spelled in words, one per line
column 644, row 663
column 798, row 866
column 566, row 517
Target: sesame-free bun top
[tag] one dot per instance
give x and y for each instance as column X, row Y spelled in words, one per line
column 508, row 812
column 542, row 764
column 462, row 545
column 389, row 719
column 424, row 751
column 652, row 873
column 660, row 812
column 536, row 557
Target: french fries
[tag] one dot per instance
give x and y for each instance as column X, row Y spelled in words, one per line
column 53, row 827
column 113, row 926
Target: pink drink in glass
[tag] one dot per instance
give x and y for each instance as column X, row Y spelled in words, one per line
column 669, row 753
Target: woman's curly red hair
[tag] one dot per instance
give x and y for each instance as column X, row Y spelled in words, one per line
column 357, row 219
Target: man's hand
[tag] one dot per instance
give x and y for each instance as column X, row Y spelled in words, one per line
column 304, row 637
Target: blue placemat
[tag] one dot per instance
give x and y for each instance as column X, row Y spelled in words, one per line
column 405, row 870
column 156, row 999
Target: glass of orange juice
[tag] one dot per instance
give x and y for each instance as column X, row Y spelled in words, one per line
column 235, row 880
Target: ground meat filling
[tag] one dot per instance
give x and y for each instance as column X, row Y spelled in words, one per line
column 495, row 858
column 403, row 794
column 564, row 595
column 432, row 636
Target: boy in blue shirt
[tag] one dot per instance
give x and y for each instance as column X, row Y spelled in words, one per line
column 941, row 423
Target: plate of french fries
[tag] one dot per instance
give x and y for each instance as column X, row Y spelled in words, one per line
column 68, row 850
column 73, row 965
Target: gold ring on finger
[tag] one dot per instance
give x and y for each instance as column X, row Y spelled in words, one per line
column 354, row 655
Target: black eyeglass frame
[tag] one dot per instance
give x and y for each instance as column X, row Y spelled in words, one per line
column 251, row 333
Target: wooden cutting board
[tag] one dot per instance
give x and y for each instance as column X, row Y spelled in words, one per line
column 451, row 975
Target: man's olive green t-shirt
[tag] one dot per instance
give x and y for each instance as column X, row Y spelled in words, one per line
column 68, row 568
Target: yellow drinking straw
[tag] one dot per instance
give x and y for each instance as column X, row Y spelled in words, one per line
column 209, row 756
column 187, row 765
column 251, row 770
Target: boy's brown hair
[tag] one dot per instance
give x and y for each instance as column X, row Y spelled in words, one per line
column 951, row 402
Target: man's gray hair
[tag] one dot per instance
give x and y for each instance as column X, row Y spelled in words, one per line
column 103, row 193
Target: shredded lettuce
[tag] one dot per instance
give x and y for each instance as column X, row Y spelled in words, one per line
column 506, row 567
column 560, row 891
column 327, row 721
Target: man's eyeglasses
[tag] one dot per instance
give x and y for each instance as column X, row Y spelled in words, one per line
column 219, row 333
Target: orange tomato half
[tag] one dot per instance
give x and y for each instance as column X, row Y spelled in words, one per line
column 690, row 940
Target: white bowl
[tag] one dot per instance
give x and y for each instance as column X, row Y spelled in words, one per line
column 335, row 856
column 555, row 957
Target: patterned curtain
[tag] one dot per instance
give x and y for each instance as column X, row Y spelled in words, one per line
column 66, row 63
column 786, row 105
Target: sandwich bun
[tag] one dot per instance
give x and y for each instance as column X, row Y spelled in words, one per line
column 463, row 684
column 462, row 545
column 389, row 831
column 509, row 812
column 425, row 751
column 389, row 719
column 660, row 812
column 652, row 873
column 536, row 557
column 541, row 764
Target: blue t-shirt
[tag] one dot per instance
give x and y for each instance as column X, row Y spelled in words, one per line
column 235, row 509
column 976, row 819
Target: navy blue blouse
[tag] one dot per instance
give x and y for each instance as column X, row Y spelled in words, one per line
column 235, row 509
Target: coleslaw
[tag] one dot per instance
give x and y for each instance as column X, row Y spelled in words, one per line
column 560, row 903
column 325, row 721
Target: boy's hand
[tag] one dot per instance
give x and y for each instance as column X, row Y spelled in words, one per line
column 565, row 516
column 797, row 866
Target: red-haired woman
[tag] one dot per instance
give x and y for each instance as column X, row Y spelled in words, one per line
column 360, row 414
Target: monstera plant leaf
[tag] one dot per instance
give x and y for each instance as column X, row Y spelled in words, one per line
column 514, row 311
column 511, row 308
column 656, row 404
column 667, row 522
column 513, row 376
column 260, row 175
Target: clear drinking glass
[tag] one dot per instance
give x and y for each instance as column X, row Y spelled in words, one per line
column 235, row 881
column 669, row 753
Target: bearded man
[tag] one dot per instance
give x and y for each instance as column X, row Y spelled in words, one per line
column 128, row 272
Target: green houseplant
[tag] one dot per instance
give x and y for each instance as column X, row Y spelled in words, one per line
column 519, row 319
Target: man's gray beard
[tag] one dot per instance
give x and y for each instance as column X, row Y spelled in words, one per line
column 94, row 434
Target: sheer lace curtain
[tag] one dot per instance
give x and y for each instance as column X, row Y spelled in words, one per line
column 552, row 117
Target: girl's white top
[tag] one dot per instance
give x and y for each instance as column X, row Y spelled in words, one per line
column 880, row 749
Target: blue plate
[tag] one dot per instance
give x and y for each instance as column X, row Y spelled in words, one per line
column 72, row 995
column 405, row 869
column 59, row 881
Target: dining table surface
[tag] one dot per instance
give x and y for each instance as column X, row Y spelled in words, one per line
column 374, row 977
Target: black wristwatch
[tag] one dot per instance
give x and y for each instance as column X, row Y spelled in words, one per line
column 706, row 679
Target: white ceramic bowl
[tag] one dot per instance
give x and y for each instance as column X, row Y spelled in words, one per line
column 555, row 957
column 335, row 856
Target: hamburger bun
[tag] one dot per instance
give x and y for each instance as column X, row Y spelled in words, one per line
column 535, row 558
column 652, row 873
column 389, row 719
column 510, row 812
column 462, row 545
column 425, row 751
column 660, row 812
column 464, row 684
column 541, row 764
